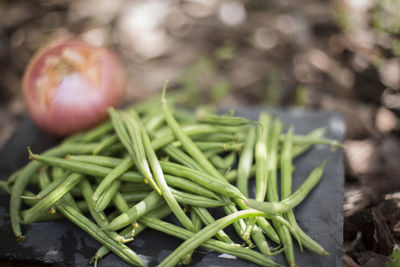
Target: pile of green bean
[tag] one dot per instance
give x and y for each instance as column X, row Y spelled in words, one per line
column 152, row 160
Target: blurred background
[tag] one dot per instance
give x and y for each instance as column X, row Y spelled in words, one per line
column 337, row 55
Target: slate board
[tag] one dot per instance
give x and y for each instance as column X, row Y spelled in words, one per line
column 61, row 243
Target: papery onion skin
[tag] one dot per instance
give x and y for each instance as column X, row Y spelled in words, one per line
column 69, row 85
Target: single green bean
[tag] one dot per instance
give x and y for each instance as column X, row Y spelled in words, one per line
column 216, row 137
column 222, row 147
column 245, row 162
column 189, row 186
column 85, row 168
column 224, row 120
column 268, row 229
column 196, row 200
column 109, row 162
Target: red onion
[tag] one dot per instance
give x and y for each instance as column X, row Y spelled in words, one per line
column 68, row 86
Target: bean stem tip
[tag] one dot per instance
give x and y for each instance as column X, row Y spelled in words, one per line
column 31, row 155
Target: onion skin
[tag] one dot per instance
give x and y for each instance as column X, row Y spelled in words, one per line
column 69, row 85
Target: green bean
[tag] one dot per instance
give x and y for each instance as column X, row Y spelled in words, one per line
column 196, row 220
column 268, row 229
column 205, row 234
column 219, row 246
column 261, row 156
column 85, row 168
column 144, row 206
column 286, row 241
column 222, row 187
column 197, row 224
column 105, row 198
column 222, row 147
column 92, row 229
column 125, row 165
column 133, row 125
column 189, row 186
column 182, row 157
column 44, row 181
column 104, row 161
column 286, row 164
column 196, row 200
column 4, row 186
column 294, row 199
column 52, row 197
column 245, row 162
column 216, row 137
column 286, row 190
column 207, row 219
column 224, row 120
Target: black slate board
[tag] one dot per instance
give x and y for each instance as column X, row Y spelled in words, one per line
column 63, row 244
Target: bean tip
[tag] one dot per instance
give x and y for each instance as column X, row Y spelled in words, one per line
column 20, row 238
column 163, row 92
column 31, row 155
column 325, row 253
